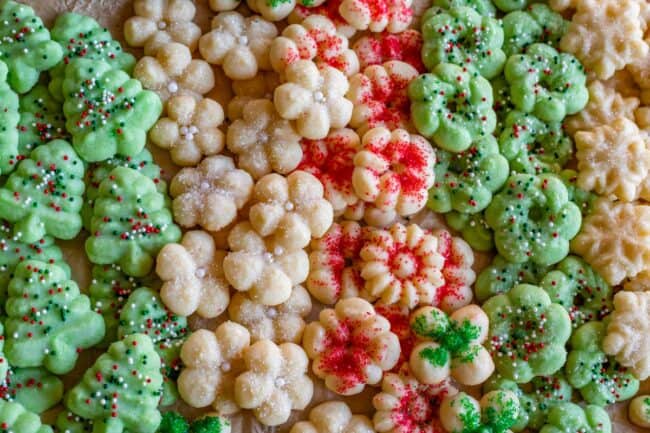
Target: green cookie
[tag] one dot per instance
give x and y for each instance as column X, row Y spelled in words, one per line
column 483, row 7
column 569, row 417
column 583, row 199
column 9, row 118
column 145, row 313
column 466, row 180
column 121, row 390
column 67, row 422
column 173, row 422
column 15, row 418
column 26, row 47
column 451, row 106
column 463, row 37
column 532, row 146
column 499, row 411
column 107, row 111
column 45, row 313
column 4, row 364
column 502, row 102
column 35, row 388
column 533, row 219
column 527, row 333
column 503, row 275
column 547, row 84
column 96, row 172
column 130, row 223
column 599, row 378
column 44, row 195
column 538, row 23
column 81, row 36
column 510, row 5
column 579, row 289
column 473, row 229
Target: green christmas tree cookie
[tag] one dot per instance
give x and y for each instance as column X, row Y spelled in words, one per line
column 533, row 219
column 96, row 172
column 599, row 378
column 107, row 111
column 14, row 418
column 45, row 315
column 44, row 195
column 503, row 275
column 527, row 333
column 466, row 180
column 537, row 23
column 120, row 392
column 497, row 412
column 9, row 118
column 532, row 146
column 569, row 417
column 463, row 37
column 579, row 289
column 145, row 313
column 547, row 84
column 35, row 388
column 81, row 36
column 26, row 46
column 473, row 229
column 540, row 396
column 130, row 223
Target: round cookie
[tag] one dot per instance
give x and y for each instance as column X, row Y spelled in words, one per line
column 537, row 23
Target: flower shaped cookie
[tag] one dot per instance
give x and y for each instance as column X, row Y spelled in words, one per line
column 274, row 382
column 317, row 39
column 406, row 405
column 639, row 411
column 263, row 141
column 457, row 272
column 394, row 171
column 606, row 35
column 402, row 265
column 380, row 96
column 331, row 161
column 351, row 346
column 399, row 318
column 464, row 37
column 158, row 22
column 380, row 48
column 290, row 210
column 211, row 194
column 192, row 274
column 496, row 412
column 240, row 45
column 452, row 107
column 615, row 239
column 393, row 16
column 334, row 265
column 537, row 23
column 571, row 417
column 465, row 181
column 314, row 98
column 173, row 72
column 450, row 345
column 190, row 130
column 527, row 333
column 258, row 87
column 473, row 228
column 533, row 219
column 280, row 324
column 613, row 159
column 266, row 271
column 328, row 9
column 546, row 83
column 628, row 331
column 212, row 361
column 333, row 416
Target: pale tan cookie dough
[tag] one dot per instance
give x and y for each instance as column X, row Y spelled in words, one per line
column 266, row 271
column 212, row 361
column 314, row 98
column 238, row 44
column 639, row 411
column 211, row 194
column 281, row 324
column 290, row 210
column 192, row 275
column 223, row 5
column 351, row 346
column 191, row 129
column 317, row 39
column 615, row 239
column 275, row 381
column 263, row 141
column 628, row 332
column 158, row 22
column 333, row 417
column 261, row 86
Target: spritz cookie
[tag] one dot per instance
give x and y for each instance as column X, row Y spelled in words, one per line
column 393, row 16
column 333, row 416
column 379, row 48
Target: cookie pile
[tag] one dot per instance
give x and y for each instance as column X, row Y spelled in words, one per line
column 327, row 215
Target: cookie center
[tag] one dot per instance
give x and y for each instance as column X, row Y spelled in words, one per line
column 188, row 132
